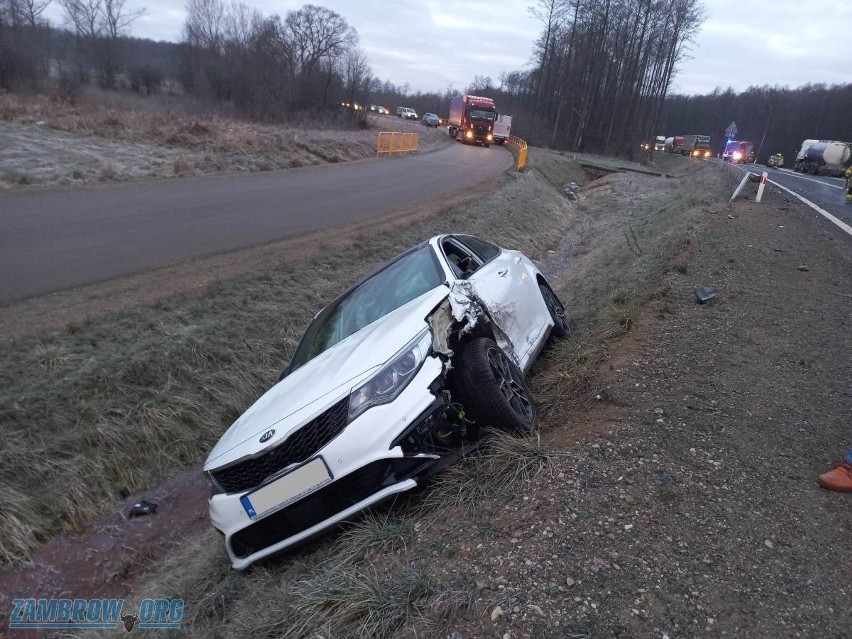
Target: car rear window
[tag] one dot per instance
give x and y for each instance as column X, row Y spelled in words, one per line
column 485, row 250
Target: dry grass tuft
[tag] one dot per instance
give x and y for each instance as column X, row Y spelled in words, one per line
column 374, row 534
column 181, row 165
column 365, row 604
column 494, row 473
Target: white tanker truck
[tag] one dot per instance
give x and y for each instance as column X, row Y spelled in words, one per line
column 823, row 157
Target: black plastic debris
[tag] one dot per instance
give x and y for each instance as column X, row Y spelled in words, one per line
column 142, row 508
column 705, row 294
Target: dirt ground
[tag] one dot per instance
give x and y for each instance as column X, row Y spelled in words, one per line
column 682, row 502
column 686, row 504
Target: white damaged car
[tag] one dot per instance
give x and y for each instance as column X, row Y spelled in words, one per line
column 391, row 382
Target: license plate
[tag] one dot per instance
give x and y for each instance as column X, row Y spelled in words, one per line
column 288, row 488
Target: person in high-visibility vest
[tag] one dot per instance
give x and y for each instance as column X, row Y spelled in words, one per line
column 849, row 185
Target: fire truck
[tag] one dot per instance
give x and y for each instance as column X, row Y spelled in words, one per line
column 472, row 119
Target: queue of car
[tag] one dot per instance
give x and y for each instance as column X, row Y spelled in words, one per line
column 406, row 113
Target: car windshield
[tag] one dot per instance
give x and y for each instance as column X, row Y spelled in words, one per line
column 481, row 114
column 397, row 284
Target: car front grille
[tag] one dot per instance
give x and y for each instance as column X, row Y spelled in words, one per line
column 480, row 130
column 325, row 503
column 298, row 447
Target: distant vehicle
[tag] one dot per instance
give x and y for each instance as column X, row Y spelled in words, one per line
column 696, row 146
column 739, row 152
column 472, row 119
column 660, row 143
column 430, row 119
column 823, row 157
column 673, row 144
column 406, row 113
column 775, row 161
column 502, row 128
column 375, row 108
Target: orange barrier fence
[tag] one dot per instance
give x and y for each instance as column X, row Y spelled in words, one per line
column 395, row 142
column 520, row 147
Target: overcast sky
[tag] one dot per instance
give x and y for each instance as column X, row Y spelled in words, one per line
column 431, row 45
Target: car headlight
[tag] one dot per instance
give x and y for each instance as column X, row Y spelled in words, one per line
column 469, row 133
column 386, row 385
column 489, row 137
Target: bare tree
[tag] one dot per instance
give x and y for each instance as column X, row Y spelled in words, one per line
column 33, row 10
column 85, row 16
column 240, row 23
column 205, row 23
column 12, row 14
column 117, row 18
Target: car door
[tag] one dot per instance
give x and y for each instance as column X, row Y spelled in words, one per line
column 506, row 288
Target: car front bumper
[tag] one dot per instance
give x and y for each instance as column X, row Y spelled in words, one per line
column 366, row 466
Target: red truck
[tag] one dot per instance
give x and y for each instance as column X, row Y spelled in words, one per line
column 472, row 119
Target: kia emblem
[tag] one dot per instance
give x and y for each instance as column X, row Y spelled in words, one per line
column 267, row 436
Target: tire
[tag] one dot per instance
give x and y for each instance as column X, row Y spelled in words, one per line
column 492, row 388
column 561, row 324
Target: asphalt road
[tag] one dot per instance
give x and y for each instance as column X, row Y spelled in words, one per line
column 826, row 192
column 55, row 240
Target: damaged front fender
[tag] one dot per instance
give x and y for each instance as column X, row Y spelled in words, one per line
column 463, row 313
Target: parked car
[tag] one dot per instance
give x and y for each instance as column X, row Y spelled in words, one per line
column 430, row 119
column 396, row 378
column 406, row 113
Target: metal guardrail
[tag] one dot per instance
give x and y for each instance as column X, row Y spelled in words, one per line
column 396, row 142
column 520, row 147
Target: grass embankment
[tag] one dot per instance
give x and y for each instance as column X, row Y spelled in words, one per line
column 111, row 137
column 107, row 407
column 398, row 572
column 119, row 403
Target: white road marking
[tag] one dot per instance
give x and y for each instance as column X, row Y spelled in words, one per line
column 802, row 177
column 839, row 223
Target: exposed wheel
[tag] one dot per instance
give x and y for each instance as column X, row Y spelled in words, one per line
column 493, row 389
column 561, row 324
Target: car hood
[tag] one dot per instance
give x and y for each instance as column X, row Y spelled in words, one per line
column 322, row 381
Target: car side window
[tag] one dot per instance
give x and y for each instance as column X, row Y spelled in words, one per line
column 462, row 261
column 486, row 250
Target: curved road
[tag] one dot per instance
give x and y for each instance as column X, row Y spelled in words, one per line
column 824, row 191
column 54, row 240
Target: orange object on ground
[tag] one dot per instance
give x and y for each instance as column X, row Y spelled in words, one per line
column 840, row 478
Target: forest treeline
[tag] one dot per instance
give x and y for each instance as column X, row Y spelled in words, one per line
column 599, row 78
column 601, row 69
column 775, row 119
column 265, row 67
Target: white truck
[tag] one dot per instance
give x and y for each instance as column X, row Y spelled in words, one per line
column 502, row 128
column 826, row 157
